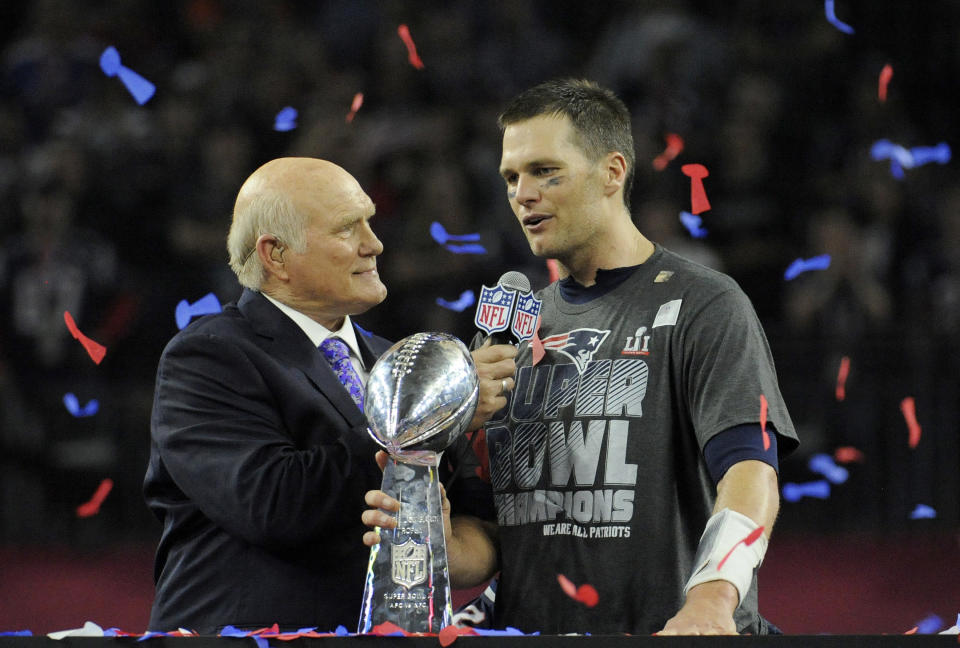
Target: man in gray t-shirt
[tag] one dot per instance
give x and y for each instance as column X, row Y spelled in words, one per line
column 631, row 455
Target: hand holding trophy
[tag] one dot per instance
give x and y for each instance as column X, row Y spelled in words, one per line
column 420, row 396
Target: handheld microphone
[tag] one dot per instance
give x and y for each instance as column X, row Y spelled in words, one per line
column 507, row 310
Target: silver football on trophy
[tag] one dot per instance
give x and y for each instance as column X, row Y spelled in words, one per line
column 421, row 394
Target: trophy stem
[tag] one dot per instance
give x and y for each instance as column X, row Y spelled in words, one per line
column 407, row 580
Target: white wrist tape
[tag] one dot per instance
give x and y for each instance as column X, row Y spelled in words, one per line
column 726, row 530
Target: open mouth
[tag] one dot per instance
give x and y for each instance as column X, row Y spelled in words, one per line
column 534, row 220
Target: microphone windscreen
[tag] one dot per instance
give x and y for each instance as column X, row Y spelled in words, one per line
column 515, row 281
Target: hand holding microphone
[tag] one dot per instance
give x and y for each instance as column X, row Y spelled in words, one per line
column 504, row 312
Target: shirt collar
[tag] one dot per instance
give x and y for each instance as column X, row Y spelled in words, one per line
column 317, row 332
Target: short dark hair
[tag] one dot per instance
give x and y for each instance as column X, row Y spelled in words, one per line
column 599, row 118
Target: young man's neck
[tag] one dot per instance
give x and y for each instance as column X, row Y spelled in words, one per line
column 622, row 250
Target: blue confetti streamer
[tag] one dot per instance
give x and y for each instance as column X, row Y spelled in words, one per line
column 925, row 154
column 136, row 85
column 286, row 119
column 922, row 511
column 833, row 20
column 823, row 463
column 469, row 248
column 793, row 492
column 441, row 236
column 465, row 301
column 799, row 266
column 16, row 633
column 692, row 222
column 204, row 306
column 73, row 406
column 929, row 624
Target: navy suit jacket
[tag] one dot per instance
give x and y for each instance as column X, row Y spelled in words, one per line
column 259, row 462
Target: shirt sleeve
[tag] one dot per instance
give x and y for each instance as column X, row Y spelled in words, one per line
column 727, row 367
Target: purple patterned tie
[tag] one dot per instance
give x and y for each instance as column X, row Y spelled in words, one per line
column 337, row 354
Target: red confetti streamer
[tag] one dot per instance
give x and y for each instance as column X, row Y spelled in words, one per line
column 587, row 594
column 842, row 378
column 412, row 56
column 388, row 628
column 448, row 635
column 568, row 587
column 698, row 195
column 355, row 106
column 763, row 422
column 885, row 75
column 95, row 349
column 909, row 409
column 536, row 344
column 93, row 506
column 553, row 267
column 674, row 147
column 847, row 454
column 749, row 540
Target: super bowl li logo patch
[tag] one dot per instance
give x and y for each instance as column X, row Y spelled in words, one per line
column 408, row 563
column 494, row 308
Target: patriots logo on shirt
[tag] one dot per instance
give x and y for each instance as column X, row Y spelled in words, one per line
column 579, row 344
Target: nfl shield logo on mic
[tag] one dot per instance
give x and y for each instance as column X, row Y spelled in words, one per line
column 525, row 318
column 493, row 309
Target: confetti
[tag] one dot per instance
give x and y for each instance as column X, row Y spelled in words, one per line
column 927, row 154
column 94, row 349
column 355, row 106
column 204, row 306
column 923, row 512
column 553, row 270
column 847, row 454
column 465, row 301
column 441, row 236
column 929, row 624
column 823, row 464
column 749, row 540
column 674, row 147
column 92, row 507
column 136, row 85
column 586, row 593
column 909, row 408
column 833, row 20
column 404, row 32
column 693, row 224
column 536, row 344
column 469, row 248
column 286, row 119
column 698, row 195
column 793, row 492
column 842, row 374
column 800, row 266
column 73, row 406
column 900, row 158
column 885, row 75
column 567, row 586
column 763, row 422
column 448, row 635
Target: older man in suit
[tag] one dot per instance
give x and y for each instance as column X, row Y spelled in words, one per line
column 260, row 457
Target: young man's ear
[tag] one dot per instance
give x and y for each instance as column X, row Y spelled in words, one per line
column 615, row 173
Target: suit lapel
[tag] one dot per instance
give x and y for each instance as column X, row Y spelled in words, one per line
column 287, row 342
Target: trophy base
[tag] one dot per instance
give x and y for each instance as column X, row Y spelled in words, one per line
column 407, row 581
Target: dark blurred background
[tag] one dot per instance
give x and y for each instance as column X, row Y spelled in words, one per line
column 115, row 212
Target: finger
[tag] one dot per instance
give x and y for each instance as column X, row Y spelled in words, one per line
column 379, row 499
column 371, row 538
column 377, row 518
column 382, row 458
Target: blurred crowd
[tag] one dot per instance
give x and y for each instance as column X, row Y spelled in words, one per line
column 115, row 211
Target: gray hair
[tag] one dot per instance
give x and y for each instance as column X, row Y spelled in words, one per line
column 268, row 212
